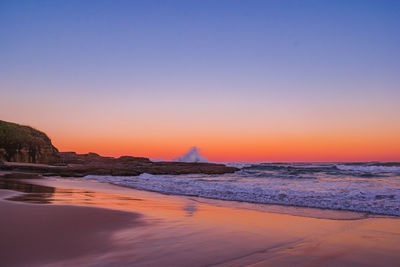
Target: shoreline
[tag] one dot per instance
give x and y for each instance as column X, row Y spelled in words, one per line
column 268, row 206
column 293, row 210
column 182, row 231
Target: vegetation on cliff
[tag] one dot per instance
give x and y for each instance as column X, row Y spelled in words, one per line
column 25, row 144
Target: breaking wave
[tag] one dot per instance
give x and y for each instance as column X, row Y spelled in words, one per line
column 368, row 168
column 193, row 155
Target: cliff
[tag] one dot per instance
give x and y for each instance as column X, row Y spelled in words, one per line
column 25, row 144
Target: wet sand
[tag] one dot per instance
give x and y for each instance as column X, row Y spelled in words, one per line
column 49, row 234
column 74, row 222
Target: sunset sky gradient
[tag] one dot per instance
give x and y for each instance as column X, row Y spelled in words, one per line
column 241, row 80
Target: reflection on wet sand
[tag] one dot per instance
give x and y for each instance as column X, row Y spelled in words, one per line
column 183, row 231
column 50, row 235
column 33, row 193
column 190, row 209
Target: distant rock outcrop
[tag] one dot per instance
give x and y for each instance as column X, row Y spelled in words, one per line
column 95, row 159
column 25, row 144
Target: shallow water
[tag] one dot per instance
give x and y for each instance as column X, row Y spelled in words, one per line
column 362, row 187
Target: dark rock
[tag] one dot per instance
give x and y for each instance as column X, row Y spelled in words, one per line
column 25, row 144
column 129, row 159
column 95, row 159
column 17, row 175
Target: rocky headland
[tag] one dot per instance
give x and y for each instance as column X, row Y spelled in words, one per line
column 23, row 148
column 25, row 144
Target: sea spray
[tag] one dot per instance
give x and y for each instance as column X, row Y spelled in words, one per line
column 193, row 155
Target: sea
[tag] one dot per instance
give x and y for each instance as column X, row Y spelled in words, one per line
column 369, row 187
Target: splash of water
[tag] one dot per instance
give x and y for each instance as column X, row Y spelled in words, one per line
column 193, row 155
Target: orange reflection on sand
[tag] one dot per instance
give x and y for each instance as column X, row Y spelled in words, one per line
column 117, row 201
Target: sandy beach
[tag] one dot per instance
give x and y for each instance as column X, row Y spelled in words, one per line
column 64, row 222
column 40, row 235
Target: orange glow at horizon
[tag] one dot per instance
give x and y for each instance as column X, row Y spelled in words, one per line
column 218, row 148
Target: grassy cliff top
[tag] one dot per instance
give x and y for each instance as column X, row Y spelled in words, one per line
column 12, row 134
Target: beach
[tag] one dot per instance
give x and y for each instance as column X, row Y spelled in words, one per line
column 60, row 221
column 199, row 133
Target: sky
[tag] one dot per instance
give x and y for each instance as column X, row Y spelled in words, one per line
column 241, row 80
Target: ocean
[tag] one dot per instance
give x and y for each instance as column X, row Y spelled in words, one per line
column 362, row 187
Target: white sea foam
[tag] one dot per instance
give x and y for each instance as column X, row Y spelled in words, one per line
column 368, row 168
column 378, row 196
column 240, row 165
